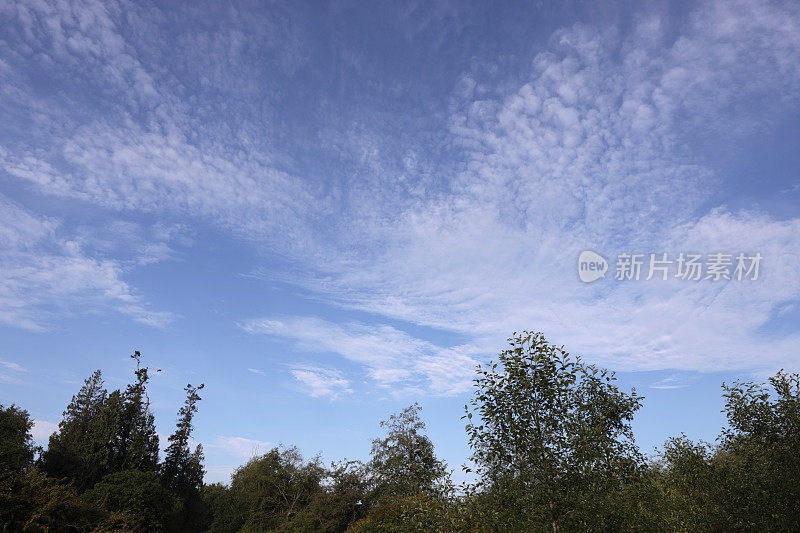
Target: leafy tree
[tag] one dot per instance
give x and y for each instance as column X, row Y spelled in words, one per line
column 340, row 503
column 16, row 443
column 270, row 491
column 759, row 456
column 683, row 483
column 31, row 501
column 415, row 513
column 134, row 500
column 226, row 513
column 403, row 463
column 552, row 437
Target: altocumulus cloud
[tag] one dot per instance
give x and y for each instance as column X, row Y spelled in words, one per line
column 589, row 148
column 592, row 151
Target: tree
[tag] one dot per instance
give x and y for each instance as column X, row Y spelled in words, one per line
column 758, row 460
column 135, row 500
column 135, row 440
column 226, row 513
column 686, row 483
column 102, row 433
column 403, row 463
column 552, row 436
column 31, row 501
column 340, row 503
column 69, row 453
column 269, row 492
column 16, row 443
column 182, row 470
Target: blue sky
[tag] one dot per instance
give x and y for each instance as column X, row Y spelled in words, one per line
column 327, row 211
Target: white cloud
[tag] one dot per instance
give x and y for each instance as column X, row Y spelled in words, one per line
column 592, row 149
column 42, row 430
column 321, row 382
column 12, row 366
column 673, row 382
column 44, row 274
column 590, row 152
column 240, row 447
column 392, row 357
column 11, row 378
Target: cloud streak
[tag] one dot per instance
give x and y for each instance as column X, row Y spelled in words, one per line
column 44, row 274
column 392, row 357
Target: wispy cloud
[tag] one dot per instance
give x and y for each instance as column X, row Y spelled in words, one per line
column 13, row 376
column 321, row 382
column 674, row 381
column 392, row 357
column 12, row 366
column 240, row 447
column 44, row 274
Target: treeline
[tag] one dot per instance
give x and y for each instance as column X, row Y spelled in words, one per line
column 552, row 450
column 101, row 469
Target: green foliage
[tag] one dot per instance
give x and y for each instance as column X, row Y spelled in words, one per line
column 107, row 449
column 403, row 463
column 31, row 501
column 551, row 436
column 412, row 513
column 182, row 471
column 16, row 444
column 136, row 496
column 102, row 433
column 135, row 442
column 552, row 447
column 759, row 457
column 279, row 491
column 225, row 511
column 72, row 451
column 273, row 488
column 341, row 502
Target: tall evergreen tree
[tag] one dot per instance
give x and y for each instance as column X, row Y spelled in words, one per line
column 182, row 471
column 135, row 441
column 67, row 454
column 102, row 433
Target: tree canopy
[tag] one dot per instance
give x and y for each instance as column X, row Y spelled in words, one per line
column 552, row 450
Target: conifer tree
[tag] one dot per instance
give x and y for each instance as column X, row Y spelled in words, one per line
column 67, row 453
column 136, row 440
column 103, row 433
column 182, row 471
